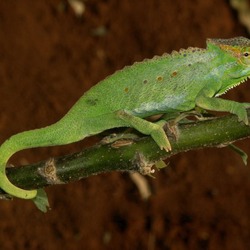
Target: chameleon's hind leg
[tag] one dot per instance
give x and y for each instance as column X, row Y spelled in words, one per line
column 155, row 130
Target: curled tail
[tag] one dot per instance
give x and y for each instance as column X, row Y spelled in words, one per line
column 6, row 150
column 60, row 133
column 13, row 190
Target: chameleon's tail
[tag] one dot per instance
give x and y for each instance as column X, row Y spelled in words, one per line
column 5, row 184
column 56, row 134
column 13, row 190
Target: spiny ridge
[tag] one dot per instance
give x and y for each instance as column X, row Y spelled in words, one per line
column 174, row 53
column 236, row 41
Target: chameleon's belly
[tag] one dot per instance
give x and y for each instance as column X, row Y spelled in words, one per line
column 96, row 104
column 169, row 105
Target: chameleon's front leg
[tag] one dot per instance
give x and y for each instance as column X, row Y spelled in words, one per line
column 206, row 101
column 155, row 130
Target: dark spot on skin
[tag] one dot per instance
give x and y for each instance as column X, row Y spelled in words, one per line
column 175, row 87
column 159, row 78
column 126, row 90
column 91, row 102
column 184, row 55
column 189, row 64
column 145, row 81
column 174, row 74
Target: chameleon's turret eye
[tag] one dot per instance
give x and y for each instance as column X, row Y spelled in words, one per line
column 245, row 57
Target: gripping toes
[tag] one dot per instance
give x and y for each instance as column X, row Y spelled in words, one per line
column 155, row 130
column 242, row 113
column 160, row 138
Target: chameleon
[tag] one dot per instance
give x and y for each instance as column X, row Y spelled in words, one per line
column 169, row 84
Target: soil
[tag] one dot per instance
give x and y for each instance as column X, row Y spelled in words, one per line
column 49, row 57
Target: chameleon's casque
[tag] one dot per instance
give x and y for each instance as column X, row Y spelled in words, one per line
column 170, row 84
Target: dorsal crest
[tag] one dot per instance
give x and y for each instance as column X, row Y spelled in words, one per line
column 234, row 45
column 232, row 42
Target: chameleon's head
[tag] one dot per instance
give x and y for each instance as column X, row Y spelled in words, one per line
column 233, row 58
column 238, row 47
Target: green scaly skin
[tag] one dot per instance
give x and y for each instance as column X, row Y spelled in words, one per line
column 172, row 83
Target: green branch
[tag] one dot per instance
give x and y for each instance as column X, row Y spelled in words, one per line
column 137, row 155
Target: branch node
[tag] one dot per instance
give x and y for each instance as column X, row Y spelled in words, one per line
column 48, row 171
column 144, row 165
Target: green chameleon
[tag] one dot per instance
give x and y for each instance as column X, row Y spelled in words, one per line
column 173, row 83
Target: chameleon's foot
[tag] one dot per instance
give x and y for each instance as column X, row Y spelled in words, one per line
column 155, row 130
column 160, row 137
column 241, row 112
column 244, row 114
column 13, row 190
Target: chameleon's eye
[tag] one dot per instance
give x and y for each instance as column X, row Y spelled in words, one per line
column 246, row 54
column 245, row 57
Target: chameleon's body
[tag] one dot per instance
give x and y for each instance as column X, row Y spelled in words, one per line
column 168, row 84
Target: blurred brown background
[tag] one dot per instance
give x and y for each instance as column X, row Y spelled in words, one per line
column 48, row 57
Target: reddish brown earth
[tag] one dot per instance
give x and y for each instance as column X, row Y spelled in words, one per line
column 48, row 58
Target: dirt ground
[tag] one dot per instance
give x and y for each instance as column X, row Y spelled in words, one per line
column 48, row 58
